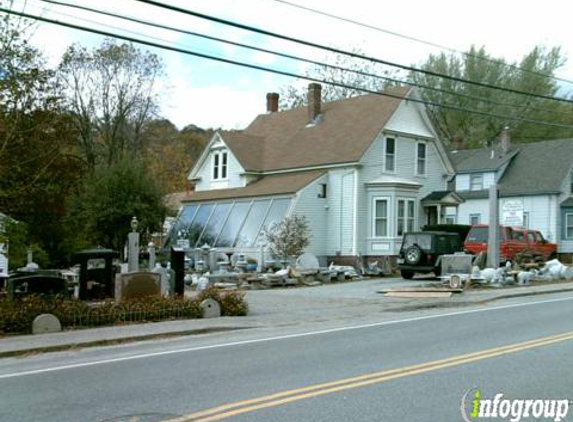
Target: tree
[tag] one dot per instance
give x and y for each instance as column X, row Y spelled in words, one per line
column 288, row 238
column 39, row 167
column 170, row 153
column 358, row 76
column 15, row 235
column 477, row 65
column 111, row 94
column 100, row 213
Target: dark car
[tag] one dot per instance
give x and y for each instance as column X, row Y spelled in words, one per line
column 421, row 252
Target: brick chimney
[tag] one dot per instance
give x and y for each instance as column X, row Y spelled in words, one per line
column 314, row 101
column 272, row 102
column 505, row 140
column 457, row 143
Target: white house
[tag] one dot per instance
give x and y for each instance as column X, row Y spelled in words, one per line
column 535, row 178
column 361, row 170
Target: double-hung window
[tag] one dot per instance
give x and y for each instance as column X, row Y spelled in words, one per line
column 569, row 226
column 405, row 216
column 390, row 154
column 220, row 165
column 380, row 218
column 476, row 181
column 421, row 159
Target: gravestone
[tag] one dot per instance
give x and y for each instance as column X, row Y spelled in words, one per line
column 46, row 323
column 211, row 308
column 164, row 273
column 308, row 261
column 137, row 285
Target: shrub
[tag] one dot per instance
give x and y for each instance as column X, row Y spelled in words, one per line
column 232, row 303
column 16, row 316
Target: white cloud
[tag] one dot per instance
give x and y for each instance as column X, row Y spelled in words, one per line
column 214, row 107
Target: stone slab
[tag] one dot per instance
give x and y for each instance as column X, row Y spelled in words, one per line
column 211, row 308
column 46, row 323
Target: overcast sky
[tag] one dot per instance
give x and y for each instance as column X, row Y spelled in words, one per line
column 211, row 94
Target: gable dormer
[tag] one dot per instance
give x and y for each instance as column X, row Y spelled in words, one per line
column 217, row 168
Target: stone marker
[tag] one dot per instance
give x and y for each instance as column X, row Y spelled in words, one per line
column 211, row 308
column 308, row 261
column 137, row 285
column 46, row 323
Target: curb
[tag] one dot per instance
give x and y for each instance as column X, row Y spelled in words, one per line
column 459, row 304
column 116, row 341
column 198, row 331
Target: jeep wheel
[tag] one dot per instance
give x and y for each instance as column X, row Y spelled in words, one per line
column 412, row 255
column 408, row 275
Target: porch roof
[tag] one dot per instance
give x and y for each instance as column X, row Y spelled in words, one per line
column 442, row 198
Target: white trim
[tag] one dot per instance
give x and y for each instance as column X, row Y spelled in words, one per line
column 568, row 215
column 406, row 199
column 425, row 143
column 355, row 216
column 355, row 164
column 475, row 176
column 475, row 214
column 394, row 157
column 400, row 134
column 373, row 217
column 219, row 154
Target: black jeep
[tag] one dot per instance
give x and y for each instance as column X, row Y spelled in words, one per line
column 421, row 252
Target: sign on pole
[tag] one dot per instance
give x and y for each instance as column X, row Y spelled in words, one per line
column 512, row 213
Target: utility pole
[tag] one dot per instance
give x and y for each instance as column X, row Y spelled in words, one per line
column 493, row 236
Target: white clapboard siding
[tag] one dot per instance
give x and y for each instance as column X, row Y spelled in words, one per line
column 234, row 171
column 541, row 209
column 373, row 167
column 314, row 208
column 340, row 212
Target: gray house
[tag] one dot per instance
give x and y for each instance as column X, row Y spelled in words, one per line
column 358, row 169
column 536, row 179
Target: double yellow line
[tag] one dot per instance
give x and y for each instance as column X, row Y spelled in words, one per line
column 289, row 396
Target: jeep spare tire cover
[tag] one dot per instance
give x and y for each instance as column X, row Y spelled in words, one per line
column 412, row 255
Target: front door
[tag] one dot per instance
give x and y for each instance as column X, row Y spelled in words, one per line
column 432, row 215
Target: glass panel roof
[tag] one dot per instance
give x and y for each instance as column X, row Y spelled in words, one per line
column 233, row 224
column 227, row 224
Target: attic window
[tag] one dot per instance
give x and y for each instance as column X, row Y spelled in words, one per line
column 220, row 165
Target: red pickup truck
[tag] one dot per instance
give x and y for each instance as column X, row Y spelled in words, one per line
column 512, row 240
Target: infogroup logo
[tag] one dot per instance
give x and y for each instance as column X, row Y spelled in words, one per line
column 474, row 407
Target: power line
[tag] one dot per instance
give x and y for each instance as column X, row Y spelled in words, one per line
column 343, row 52
column 275, row 71
column 419, row 40
column 298, row 58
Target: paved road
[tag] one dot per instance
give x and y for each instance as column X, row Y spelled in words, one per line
column 340, row 372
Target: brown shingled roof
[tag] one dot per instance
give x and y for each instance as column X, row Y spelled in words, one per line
column 283, row 140
column 278, row 184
